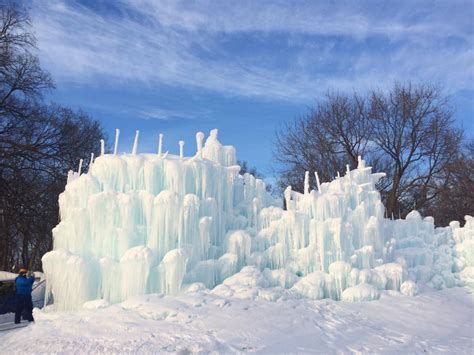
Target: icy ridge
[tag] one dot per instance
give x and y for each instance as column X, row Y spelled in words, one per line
column 149, row 223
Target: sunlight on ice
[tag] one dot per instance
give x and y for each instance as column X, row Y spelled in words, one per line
column 150, row 223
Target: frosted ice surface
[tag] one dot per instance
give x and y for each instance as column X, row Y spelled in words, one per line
column 361, row 292
column 409, row 288
column 155, row 223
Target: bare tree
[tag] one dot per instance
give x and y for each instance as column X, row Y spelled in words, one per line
column 39, row 143
column 408, row 132
column 455, row 199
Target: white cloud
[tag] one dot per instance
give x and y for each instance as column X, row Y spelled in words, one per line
column 300, row 49
column 162, row 114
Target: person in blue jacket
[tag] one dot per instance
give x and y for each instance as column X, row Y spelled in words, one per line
column 23, row 285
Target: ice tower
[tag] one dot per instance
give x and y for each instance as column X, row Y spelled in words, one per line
column 147, row 223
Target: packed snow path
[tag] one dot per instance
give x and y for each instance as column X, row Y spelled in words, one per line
column 433, row 322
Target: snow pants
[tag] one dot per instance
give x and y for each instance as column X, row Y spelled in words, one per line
column 24, row 305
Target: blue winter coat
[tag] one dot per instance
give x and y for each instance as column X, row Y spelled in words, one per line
column 24, row 284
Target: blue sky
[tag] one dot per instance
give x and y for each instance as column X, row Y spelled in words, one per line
column 178, row 67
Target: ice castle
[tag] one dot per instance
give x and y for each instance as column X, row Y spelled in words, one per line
column 153, row 223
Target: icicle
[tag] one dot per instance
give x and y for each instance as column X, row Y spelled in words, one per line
column 199, row 139
column 102, row 147
column 135, row 143
column 338, row 175
column 348, row 169
column 160, row 144
column 318, row 184
column 91, row 161
column 287, row 194
column 306, row 183
column 181, row 146
column 80, row 167
column 117, row 135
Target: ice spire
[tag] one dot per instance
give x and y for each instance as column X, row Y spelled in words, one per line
column 91, row 161
column 287, row 194
column 318, row 184
column 80, row 166
column 181, row 147
column 102, row 147
column 117, row 135
column 135, row 143
column 160, row 144
column 306, row 183
column 199, row 139
column 348, row 169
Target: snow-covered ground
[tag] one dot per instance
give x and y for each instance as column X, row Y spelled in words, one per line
column 432, row 322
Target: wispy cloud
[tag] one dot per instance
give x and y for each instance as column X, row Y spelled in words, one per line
column 277, row 50
column 157, row 113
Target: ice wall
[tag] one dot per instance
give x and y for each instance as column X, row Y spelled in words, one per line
column 139, row 223
column 146, row 223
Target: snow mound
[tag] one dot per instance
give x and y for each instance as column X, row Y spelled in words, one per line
column 95, row 304
column 360, row 293
column 409, row 288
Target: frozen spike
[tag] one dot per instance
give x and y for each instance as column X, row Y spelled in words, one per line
column 135, row 143
column 102, row 147
column 165, row 155
column 306, row 183
column 360, row 163
column 214, row 133
column 80, row 166
column 348, row 169
column 181, row 147
column 287, row 194
column 117, row 135
column 91, row 161
column 199, row 140
column 318, row 184
column 160, row 144
column 338, row 175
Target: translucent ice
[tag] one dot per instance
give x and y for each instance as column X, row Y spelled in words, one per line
column 151, row 223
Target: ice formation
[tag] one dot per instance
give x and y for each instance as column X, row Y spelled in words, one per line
column 151, row 223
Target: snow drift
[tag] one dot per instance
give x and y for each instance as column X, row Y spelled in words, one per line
column 150, row 223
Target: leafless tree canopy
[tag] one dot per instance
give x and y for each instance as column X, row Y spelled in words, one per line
column 408, row 132
column 39, row 143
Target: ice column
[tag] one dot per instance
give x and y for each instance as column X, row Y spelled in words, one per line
column 135, row 143
column 117, row 134
column 181, row 148
column 160, row 144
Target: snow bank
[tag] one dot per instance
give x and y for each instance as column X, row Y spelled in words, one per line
column 151, row 223
column 409, row 288
column 361, row 292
